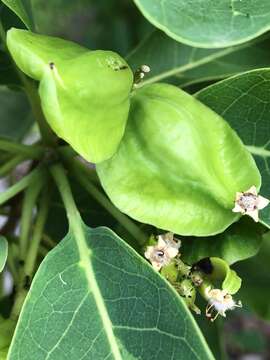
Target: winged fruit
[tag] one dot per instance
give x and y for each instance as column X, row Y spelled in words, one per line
column 85, row 95
column 179, row 164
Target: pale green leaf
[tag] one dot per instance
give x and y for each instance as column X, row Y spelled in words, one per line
column 244, row 101
column 95, row 298
column 208, row 23
column 179, row 165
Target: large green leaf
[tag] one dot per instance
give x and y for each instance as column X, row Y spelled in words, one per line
column 95, row 298
column 15, row 118
column 244, row 102
column 23, row 9
column 179, row 165
column 239, row 242
column 183, row 64
column 84, row 94
column 208, row 23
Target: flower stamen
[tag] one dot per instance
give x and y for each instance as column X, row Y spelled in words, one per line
column 219, row 301
column 164, row 251
column 249, row 203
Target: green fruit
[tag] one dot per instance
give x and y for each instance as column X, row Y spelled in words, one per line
column 84, row 94
column 179, row 164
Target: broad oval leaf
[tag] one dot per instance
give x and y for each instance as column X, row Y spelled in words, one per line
column 23, row 9
column 208, row 24
column 240, row 241
column 3, row 252
column 179, row 165
column 95, row 298
column 84, row 94
column 243, row 101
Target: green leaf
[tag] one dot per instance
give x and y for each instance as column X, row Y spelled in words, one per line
column 15, row 117
column 183, row 65
column 3, row 252
column 23, row 9
column 208, row 24
column 239, row 242
column 93, row 297
column 244, row 102
column 179, row 165
column 84, row 94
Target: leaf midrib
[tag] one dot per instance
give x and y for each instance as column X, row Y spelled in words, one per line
column 85, row 264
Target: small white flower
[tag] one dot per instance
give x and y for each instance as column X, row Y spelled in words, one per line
column 145, row 68
column 220, row 301
column 249, row 203
column 164, row 251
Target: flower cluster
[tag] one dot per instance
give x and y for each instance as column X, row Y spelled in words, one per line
column 165, row 257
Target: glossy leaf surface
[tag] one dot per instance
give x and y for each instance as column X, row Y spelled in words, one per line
column 84, row 94
column 179, row 165
column 244, row 101
column 209, row 24
column 95, row 298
